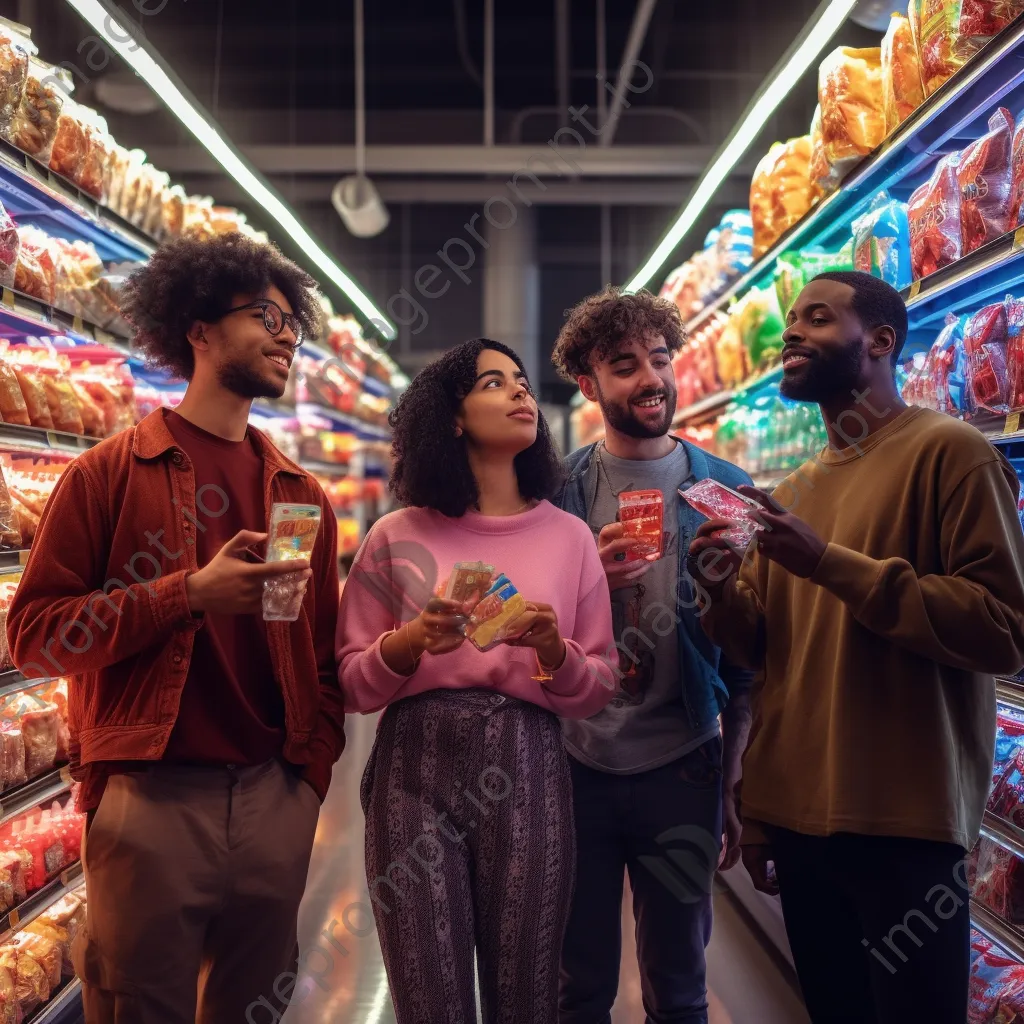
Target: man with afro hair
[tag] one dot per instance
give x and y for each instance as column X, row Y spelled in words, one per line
column 203, row 736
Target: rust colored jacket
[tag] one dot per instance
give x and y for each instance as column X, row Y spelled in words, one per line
column 102, row 601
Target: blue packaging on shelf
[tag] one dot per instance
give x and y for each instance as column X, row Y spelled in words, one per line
column 881, row 241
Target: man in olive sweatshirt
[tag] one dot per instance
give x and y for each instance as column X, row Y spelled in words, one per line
column 883, row 595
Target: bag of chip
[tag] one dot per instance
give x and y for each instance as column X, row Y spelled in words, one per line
column 790, row 183
column 934, row 211
column 902, row 90
column 850, row 94
column 15, row 50
column 985, row 178
column 881, row 241
column 985, row 341
column 824, row 179
column 761, row 207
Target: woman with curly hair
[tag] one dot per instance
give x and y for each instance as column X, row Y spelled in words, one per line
column 469, row 830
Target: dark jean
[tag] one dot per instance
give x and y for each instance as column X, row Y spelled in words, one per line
column 879, row 926
column 665, row 828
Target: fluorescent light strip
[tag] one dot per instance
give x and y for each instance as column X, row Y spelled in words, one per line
column 126, row 43
column 828, row 23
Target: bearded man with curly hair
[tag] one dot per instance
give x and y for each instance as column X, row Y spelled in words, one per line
column 194, row 723
column 654, row 773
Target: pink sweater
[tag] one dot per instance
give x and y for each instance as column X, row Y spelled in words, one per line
column 548, row 554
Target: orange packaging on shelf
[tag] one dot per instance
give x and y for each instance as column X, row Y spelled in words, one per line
column 8, row 585
column 30, row 984
column 172, row 215
column 14, row 54
column 69, row 145
column 12, row 401
column 39, row 729
column 131, row 185
column 60, row 396
column 949, row 32
column 110, row 385
column 93, row 171
column 791, row 189
column 934, row 212
column 31, row 383
column 824, row 180
column 10, row 537
column 36, row 271
column 12, row 751
column 902, row 90
column 640, row 513
column 34, row 125
column 44, row 951
column 850, row 94
column 761, row 201
column 984, row 175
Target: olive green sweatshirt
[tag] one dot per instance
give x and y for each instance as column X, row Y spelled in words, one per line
column 876, row 710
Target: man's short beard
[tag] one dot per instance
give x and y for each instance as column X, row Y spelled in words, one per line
column 240, row 380
column 626, row 423
column 823, row 378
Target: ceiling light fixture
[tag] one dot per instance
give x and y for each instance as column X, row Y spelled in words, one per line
column 794, row 63
column 128, row 42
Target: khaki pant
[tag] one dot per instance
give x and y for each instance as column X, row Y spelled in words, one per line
column 194, row 880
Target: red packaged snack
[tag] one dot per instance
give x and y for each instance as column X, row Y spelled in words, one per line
column 997, row 984
column 997, row 880
column 1017, row 176
column 716, row 501
column 70, row 143
column 640, row 513
column 12, row 752
column 985, row 178
column 934, row 211
column 39, row 730
column 1015, row 351
column 985, row 341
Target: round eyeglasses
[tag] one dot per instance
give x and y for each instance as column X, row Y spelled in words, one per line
column 275, row 319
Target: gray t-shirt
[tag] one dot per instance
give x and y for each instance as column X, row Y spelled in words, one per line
column 646, row 725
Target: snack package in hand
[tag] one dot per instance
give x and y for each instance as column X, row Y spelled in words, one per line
column 850, row 94
column 495, row 611
column 902, row 89
column 641, row 514
column 934, row 211
column 292, row 536
column 985, row 179
column 468, row 582
column 716, row 501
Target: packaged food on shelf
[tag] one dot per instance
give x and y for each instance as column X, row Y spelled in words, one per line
column 985, row 179
column 30, row 984
column 94, row 170
column 172, row 215
column 996, row 879
column 986, row 335
column 761, row 207
column 10, row 245
column 790, row 182
column 36, row 270
column 949, row 32
column 31, row 383
column 824, row 179
column 12, row 402
column 10, row 537
column 15, row 50
column 12, row 754
column 996, row 985
column 735, row 246
column 44, row 951
column 69, row 144
column 109, row 382
column 934, row 212
column 1006, row 799
column 8, row 585
column 132, row 184
column 198, row 220
column 34, row 125
column 902, row 88
column 61, row 923
column 850, row 94
column 153, row 214
column 114, row 176
column 882, row 241
column 31, row 482
column 761, row 326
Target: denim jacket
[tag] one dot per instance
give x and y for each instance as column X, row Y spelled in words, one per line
column 707, row 678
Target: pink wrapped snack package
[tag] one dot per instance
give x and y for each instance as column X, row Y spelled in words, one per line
column 716, row 501
column 40, row 732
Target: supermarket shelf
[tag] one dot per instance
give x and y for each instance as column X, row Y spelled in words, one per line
column 33, row 194
column 1003, row 834
column 38, row 437
column 34, row 792
column 26, row 912
column 15, row 682
column 1005, row 936
column 63, row 1008
column 720, row 399
column 13, row 559
column 1010, row 693
column 368, row 430
column 22, row 315
column 938, row 125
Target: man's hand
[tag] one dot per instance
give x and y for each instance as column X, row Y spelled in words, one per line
column 612, row 541
column 756, row 860
column 537, row 627
column 732, row 826
column 713, row 561
column 230, row 585
column 785, row 539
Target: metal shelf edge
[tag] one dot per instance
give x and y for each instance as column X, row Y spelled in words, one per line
column 1005, row 936
column 31, row 794
column 52, row 1012
column 1003, row 833
column 31, row 908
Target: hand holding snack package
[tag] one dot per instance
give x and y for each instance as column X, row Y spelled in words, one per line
column 716, row 501
column 499, row 607
column 292, row 535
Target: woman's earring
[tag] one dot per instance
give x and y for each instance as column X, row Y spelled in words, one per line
column 458, row 431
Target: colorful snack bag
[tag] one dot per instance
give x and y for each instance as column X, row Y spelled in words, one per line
column 293, row 530
column 640, row 513
column 934, row 211
column 716, row 501
column 881, row 241
column 850, row 94
column 761, row 201
column 500, row 605
column 985, row 179
column 985, row 340
column 791, row 190
column 468, row 582
column 1015, row 351
column 902, row 89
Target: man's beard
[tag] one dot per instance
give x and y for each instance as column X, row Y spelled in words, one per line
column 245, row 382
column 622, row 419
column 822, row 377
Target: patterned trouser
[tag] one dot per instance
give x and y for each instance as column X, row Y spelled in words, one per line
column 470, row 847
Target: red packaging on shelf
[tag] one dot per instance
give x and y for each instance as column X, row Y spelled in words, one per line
column 997, row 984
column 934, row 211
column 1015, row 351
column 12, row 753
column 985, row 179
column 39, row 729
column 985, row 340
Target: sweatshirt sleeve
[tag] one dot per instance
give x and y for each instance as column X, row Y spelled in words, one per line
column 735, row 623
column 59, row 599
column 972, row 616
column 587, row 680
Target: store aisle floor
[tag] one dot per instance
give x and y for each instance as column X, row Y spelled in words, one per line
column 343, row 979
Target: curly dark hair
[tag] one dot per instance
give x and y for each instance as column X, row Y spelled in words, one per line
column 597, row 324
column 189, row 280
column 431, row 465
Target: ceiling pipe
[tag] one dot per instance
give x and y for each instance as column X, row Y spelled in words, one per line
column 634, row 44
column 488, row 72
column 602, row 65
column 562, row 60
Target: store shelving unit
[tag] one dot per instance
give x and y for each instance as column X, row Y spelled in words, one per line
column 997, row 931
column 63, row 1008
column 41, row 900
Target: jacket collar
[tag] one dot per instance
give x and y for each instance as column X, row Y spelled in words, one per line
column 153, row 439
